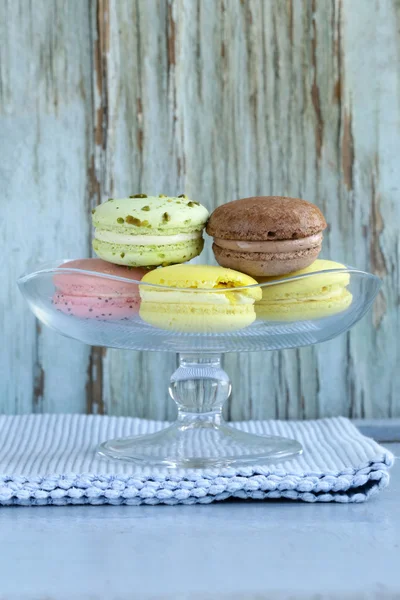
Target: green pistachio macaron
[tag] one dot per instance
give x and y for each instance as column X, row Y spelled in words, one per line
column 148, row 231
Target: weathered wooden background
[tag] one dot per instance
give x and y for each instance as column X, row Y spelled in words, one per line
column 218, row 99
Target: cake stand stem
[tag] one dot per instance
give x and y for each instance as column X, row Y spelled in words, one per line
column 200, row 438
column 199, row 387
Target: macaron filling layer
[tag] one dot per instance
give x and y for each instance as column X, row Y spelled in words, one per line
column 227, row 298
column 271, row 246
column 145, row 240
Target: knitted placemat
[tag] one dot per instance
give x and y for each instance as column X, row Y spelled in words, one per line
column 51, row 459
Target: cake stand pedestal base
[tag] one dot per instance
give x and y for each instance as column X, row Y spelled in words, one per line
column 200, row 438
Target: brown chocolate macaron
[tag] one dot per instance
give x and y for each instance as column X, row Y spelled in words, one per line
column 266, row 235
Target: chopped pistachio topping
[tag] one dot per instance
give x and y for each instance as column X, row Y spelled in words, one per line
column 120, row 220
column 122, row 254
column 166, row 217
column 133, row 221
column 193, row 203
column 147, row 208
column 110, row 200
column 162, row 196
column 93, row 211
column 182, row 196
column 138, row 196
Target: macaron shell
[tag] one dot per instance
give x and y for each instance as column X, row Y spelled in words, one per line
column 105, row 309
column 152, row 215
column 198, row 299
column 323, row 279
column 118, row 221
column 140, row 256
column 201, row 277
column 258, row 264
column 303, row 311
column 266, row 218
column 320, row 295
column 197, row 319
column 84, row 284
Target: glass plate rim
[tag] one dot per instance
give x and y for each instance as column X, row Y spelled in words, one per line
column 62, row 271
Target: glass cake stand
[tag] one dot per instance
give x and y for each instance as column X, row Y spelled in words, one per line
column 200, row 438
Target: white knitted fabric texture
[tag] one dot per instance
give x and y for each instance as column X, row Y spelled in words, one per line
column 51, row 459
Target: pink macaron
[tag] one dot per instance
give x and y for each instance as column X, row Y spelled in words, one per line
column 92, row 296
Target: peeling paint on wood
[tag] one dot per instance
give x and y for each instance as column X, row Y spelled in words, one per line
column 38, row 388
column 377, row 258
column 347, row 152
column 44, row 116
column 94, row 384
column 218, row 100
column 170, row 36
column 98, row 146
column 315, row 94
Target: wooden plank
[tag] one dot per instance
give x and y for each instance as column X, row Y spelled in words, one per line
column 45, row 119
column 217, row 99
column 229, row 99
column 371, row 54
column 140, row 153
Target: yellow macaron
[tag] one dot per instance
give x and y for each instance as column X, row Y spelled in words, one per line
column 198, row 298
column 320, row 295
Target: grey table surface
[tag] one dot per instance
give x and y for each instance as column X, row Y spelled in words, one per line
column 232, row 550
